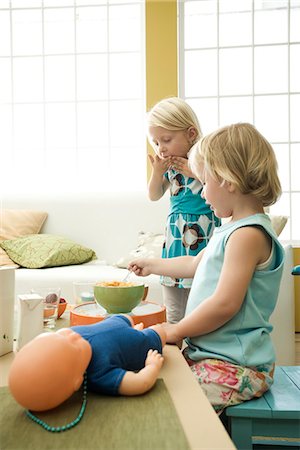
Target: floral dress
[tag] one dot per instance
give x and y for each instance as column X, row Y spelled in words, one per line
column 190, row 222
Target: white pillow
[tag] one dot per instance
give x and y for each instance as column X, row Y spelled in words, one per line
column 278, row 223
column 149, row 246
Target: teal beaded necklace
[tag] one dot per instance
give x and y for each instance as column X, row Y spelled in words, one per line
column 70, row 425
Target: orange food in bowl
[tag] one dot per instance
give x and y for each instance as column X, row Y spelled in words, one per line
column 115, row 284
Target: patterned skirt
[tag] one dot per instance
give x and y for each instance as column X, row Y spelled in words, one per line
column 186, row 234
column 226, row 384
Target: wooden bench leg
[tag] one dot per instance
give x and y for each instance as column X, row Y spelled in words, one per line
column 241, row 432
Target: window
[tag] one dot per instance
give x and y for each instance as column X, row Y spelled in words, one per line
column 72, row 98
column 239, row 61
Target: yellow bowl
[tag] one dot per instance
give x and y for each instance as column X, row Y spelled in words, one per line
column 117, row 298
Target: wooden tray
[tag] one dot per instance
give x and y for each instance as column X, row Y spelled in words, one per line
column 149, row 313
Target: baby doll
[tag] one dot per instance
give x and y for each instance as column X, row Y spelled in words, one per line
column 118, row 358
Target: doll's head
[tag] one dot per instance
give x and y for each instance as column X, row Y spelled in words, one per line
column 240, row 155
column 173, row 115
column 49, row 369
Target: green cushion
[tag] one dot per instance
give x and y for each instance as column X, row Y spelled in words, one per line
column 46, row 250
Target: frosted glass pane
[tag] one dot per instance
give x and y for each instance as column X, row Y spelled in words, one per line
column 26, row 3
column 28, row 79
column 271, row 69
column 130, row 178
column 92, row 81
column 235, row 71
column 295, row 66
column 60, row 2
column 27, row 36
column 5, row 3
column 125, row 28
column 59, row 78
column 270, row 26
column 200, row 28
column 235, row 5
column 60, row 125
column 201, row 73
column 91, row 29
column 92, row 124
column 6, row 131
column 271, row 117
column 4, row 33
column 5, row 80
column 295, row 114
column 295, row 216
column 125, row 76
column 127, row 123
column 295, row 167
column 28, row 126
column 93, row 169
column 59, row 30
column 91, row 2
column 236, row 109
column 207, row 113
column 282, row 156
column 235, row 28
column 294, row 20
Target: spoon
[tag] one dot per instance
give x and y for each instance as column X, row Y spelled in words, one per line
column 127, row 276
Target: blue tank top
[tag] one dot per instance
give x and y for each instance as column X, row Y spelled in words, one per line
column 245, row 339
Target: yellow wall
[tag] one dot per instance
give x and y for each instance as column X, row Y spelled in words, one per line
column 297, row 289
column 161, row 52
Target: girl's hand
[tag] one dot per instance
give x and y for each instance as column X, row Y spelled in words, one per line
column 154, row 359
column 172, row 333
column 141, row 267
column 158, row 164
column 182, row 166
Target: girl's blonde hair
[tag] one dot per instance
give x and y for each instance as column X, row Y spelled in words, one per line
column 174, row 114
column 239, row 154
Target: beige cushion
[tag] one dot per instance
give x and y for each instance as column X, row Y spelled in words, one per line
column 278, row 223
column 149, row 246
column 18, row 222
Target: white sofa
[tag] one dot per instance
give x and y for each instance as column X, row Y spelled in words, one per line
column 110, row 224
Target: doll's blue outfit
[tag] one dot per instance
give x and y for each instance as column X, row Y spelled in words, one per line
column 245, row 339
column 116, row 348
column 190, row 222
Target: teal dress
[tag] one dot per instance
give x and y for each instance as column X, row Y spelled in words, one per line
column 190, row 223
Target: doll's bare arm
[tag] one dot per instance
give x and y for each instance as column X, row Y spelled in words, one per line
column 135, row 383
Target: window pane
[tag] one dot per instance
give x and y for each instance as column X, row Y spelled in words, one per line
column 282, row 156
column 271, row 69
column 59, row 78
column 60, row 125
column 5, row 80
column 235, row 78
column 124, row 28
column 236, row 28
column 201, row 73
column 28, row 127
column 91, row 29
column 59, row 30
column 271, row 117
column 236, row 109
column 295, row 165
column 4, row 33
column 119, row 160
column 92, row 77
column 270, row 25
column 200, row 24
column 28, row 79
column 92, row 124
column 295, row 20
column 295, row 114
column 129, row 84
column 207, row 113
column 27, row 32
column 295, row 66
column 126, row 124
column 6, row 132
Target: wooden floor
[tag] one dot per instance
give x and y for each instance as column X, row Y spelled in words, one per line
column 297, row 340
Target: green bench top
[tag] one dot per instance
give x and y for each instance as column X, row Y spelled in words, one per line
column 281, row 401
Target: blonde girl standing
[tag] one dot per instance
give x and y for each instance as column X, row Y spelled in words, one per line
column 173, row 129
